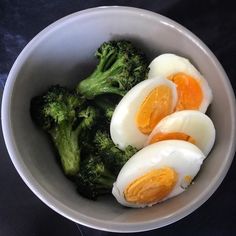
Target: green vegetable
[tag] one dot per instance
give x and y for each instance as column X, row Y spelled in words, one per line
column 120, row 67
column 61, row 114
column 112, row 156
column 107, row 105
column 78, row 124
column 94, row 179
column 99, row 170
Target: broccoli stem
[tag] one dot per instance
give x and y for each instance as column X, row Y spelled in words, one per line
column 67, row 145
column 69, row 141
column 100, row 82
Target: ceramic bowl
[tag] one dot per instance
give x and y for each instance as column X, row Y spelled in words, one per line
column 63, row 53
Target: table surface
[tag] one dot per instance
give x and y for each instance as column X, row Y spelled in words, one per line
column 21, row 212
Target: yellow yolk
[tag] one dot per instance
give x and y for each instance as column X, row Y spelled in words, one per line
column 151, row 187
column 156, row 106
column 189, row 92
column 174, row 135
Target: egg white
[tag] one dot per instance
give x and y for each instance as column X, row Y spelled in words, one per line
column 169, row 64
column 193, row 123
column 123, row 128
column 185, row 158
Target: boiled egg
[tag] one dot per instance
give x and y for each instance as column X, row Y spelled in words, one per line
column 157, row 172
column 189, row 125
column 140, row 110
column 194, row 92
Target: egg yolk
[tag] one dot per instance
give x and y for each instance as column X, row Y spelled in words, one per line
column 173, row 135
column 151, row 187
column 189, row 92
column 156, row 106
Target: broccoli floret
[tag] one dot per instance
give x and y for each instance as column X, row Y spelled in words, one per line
column 94, row 179
column 113, row 157
column 59, row 112
column 120, row 67
column 100, row 168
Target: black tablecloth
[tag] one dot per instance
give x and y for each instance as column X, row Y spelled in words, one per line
column 21, row 212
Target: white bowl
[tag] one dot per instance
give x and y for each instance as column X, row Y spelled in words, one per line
column 64, row 53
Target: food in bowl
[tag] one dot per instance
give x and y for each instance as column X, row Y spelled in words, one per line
column 121, row 66
column 63, row 54
column 193, row 89
column 71, row 117
column 140, row 110
column 157, row 172
column 100, row 128
column 189, row 125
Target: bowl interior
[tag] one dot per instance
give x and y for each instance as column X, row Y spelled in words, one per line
column 64, row 54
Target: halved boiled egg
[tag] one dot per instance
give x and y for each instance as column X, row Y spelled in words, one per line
column 194, row 92
column 188, row 125
column 140, row 110
column 157, row 172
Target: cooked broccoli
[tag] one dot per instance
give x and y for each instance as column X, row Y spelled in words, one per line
column 107, row 105
column 59, row 112
column 113, row 157
column 99, row 170
column 78, row 124
column 120, row 67
column 94, row 179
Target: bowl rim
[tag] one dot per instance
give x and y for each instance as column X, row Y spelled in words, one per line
column 51, row 201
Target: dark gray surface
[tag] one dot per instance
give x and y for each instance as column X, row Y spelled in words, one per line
column 23, row 214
